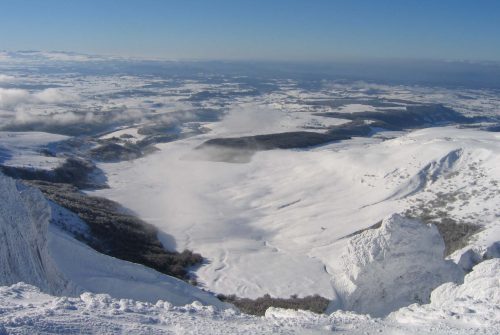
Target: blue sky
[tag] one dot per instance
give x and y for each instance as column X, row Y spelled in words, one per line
column 306, row 30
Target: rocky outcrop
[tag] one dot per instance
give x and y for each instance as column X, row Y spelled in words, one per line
column 393, row 266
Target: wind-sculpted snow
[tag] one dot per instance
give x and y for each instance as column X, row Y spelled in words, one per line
column 34, row 250
column 428, row 174
column 469, row 308
column 101, row 314
column 475, row 303
column 393, row 266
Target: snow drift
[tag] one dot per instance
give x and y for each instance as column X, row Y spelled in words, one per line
column 393, row 266
column 36, row 251
column 470, row 308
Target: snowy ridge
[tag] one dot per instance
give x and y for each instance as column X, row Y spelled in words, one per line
column 427, row 175
column 24, row 223
column 36, row 251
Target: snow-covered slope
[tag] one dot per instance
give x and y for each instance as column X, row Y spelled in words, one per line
column 277, row 224
column 34, row 250
column 25, row 149
column 24, row 223
column 470, row 308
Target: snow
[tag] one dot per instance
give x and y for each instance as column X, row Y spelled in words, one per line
column 24, row 255
column 34, row 250
column 279, row 224
column 475, row 303
column 356, row 108
column 392, row 266
column 469, row 308
column 276, row 224
column 257, row 118
column 23, row 149
column 131, row 131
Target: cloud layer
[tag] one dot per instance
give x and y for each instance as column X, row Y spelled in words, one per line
column 10, row 98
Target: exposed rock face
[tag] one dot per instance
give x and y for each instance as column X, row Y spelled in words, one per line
column 393, row 266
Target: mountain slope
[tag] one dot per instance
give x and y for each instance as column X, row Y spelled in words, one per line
column 36, row 251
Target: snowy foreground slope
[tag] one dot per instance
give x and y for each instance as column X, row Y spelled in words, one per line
column 36, row 251
column 470, row 308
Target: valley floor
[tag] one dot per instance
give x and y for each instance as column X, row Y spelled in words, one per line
column 276, row 225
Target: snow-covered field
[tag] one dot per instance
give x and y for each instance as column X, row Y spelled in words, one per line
column 276, row 225
column 341, row 220
column 25, row 149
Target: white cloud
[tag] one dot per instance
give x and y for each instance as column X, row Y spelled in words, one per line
column 4, row 56
column 65, row 57
column 53, row 96
column 6, row 78
column 24, row 114
column 250, row 118
column 10, row 98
